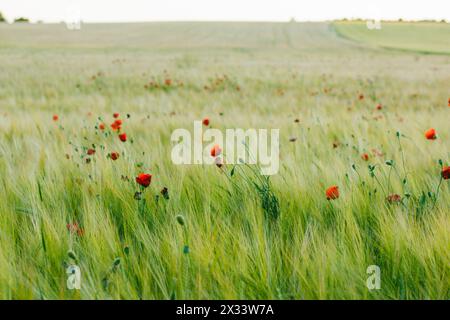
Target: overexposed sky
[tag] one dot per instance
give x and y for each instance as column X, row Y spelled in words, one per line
column 259, row 10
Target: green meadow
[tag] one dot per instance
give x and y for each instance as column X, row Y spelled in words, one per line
column 352, row 113
column 423, row 37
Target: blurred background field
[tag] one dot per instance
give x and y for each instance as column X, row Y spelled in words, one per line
column 321, row 84
column 423, row 37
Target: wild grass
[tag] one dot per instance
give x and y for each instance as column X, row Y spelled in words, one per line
column 227, row 232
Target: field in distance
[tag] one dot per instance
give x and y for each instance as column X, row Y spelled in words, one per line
column 420, row 37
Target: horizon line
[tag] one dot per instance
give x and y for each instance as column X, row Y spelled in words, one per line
column 292, row 20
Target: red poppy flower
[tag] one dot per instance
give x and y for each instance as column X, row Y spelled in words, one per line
column 445, row 173
column 114, row 155
column 168, row 82
column 144, row 179
column 215, row 150
column 101, row 126
column 430, row 134
column 116, row 125
column 91, row 152
column 394, row 198
column 332, row 192
column 123, row 137
column 365, row 156
column 75, row 228
column 115, row 115
column 55, row 117
column 205, row 121
column 449, row 102
column 379, row 107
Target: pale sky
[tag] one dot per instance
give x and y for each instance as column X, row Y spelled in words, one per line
column 251, row 10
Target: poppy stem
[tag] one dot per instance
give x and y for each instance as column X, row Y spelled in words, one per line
column 437, row 193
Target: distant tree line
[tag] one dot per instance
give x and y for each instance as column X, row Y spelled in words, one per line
column 399, row 20
column 17, row 20
column 21, row 19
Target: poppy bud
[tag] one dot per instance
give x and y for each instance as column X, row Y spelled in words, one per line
column 72, row 255
column 116, row 262
column 114, row 155
column 180, row 219
column 165, row 193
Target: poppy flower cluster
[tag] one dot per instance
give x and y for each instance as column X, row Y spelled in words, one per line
column 167, row 83
column 116, row 125
column 221, row 83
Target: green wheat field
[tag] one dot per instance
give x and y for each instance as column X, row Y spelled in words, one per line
column 352, row 105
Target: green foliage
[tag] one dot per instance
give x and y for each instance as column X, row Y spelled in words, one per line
column 21, row 20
